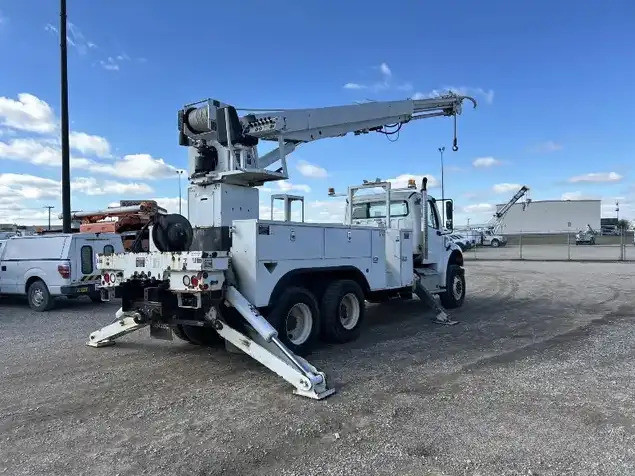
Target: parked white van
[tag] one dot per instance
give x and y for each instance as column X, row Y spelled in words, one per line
column 43, row 267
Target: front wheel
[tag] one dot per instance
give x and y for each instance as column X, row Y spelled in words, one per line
column 297, row 319
column 343, row 310
column 495, row 243
column 454, row 294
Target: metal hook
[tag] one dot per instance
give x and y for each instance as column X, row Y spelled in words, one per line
column 455, row 145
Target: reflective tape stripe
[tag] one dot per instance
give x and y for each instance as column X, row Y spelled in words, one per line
column 91, row 277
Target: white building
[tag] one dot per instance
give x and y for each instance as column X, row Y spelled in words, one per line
column 552, row 216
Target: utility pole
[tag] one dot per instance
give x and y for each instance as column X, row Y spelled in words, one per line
column 49, row 207
column 66, row 163
column 179, row 173
column 441, row 150
column 617, row 209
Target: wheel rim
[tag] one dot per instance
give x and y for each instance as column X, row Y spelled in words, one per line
column 38, row 297
column 299, row 323
column 457, row 287
column 349, row 311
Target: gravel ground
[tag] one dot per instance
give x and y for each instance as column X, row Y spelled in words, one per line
column 536, row 379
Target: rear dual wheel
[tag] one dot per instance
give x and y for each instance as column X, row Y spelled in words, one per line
column 296, row 317
column 343, row 311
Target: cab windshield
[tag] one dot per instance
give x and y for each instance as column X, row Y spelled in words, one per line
column 378, row 210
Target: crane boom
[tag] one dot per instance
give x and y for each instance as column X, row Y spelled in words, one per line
column 225, row 142
column 503, row 211
column 498, row 216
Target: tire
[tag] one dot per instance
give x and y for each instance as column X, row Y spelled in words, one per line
column 296, row 317
column 454, row 294
column 39, row 297
column 178, row 331
column 495, row 243
column 198, row 335
column 95, row 297
column 343, row 310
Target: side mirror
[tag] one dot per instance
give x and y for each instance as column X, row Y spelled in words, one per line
column 449, row 215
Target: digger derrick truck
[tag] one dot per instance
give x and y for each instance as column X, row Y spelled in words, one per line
column 271, row 288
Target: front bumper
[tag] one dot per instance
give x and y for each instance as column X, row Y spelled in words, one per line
column 77, row 289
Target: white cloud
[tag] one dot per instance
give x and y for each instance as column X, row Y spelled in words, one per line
column 310, row 170
column 74, row 37
column 326, row 211
column 90, row 186
column 401, row 181
column 486, row 95
column 577, row 196
column 548, row 146
column 506, row 187
column 89, row 144
column 16, row 187
column 382, row 84
column 35, row 151
column 479, row 208
column 109, row 64
column 597, row 177
column 136, row 166
column 46, row 152
column 171, row 204
column 286, row 186
column 354, row 86
column 140, row 166
column 28, row 113
column 483, row 162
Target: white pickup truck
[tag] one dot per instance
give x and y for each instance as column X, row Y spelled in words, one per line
column 43, row 267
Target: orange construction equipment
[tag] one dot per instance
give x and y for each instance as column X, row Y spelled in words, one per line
column 129, row 218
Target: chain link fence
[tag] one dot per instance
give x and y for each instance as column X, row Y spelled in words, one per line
column 560, row 246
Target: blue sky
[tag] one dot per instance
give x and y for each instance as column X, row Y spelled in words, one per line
column 553, row 79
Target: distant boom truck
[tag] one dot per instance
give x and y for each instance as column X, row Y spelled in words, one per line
column 272, row 288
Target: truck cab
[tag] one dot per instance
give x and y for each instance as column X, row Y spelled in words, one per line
column 407, row 209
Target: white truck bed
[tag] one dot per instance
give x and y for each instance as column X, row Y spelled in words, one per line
column 264, row 251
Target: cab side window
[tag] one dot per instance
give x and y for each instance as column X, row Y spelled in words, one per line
column 433, row 219
column 87, row 259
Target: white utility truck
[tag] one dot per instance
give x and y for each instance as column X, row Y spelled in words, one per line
column 272, row 288
column 43, row 267
column 491, row 235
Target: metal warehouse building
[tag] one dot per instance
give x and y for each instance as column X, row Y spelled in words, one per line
column 552, row 216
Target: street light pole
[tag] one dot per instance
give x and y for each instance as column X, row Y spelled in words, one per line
column 617, row 209
column 66, row 164
column 179, row 173
column 49, row 207
column 441, row 150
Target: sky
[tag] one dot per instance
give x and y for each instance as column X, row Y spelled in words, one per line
column 554, row 81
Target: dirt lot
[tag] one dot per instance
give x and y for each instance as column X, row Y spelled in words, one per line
column 538, row 378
